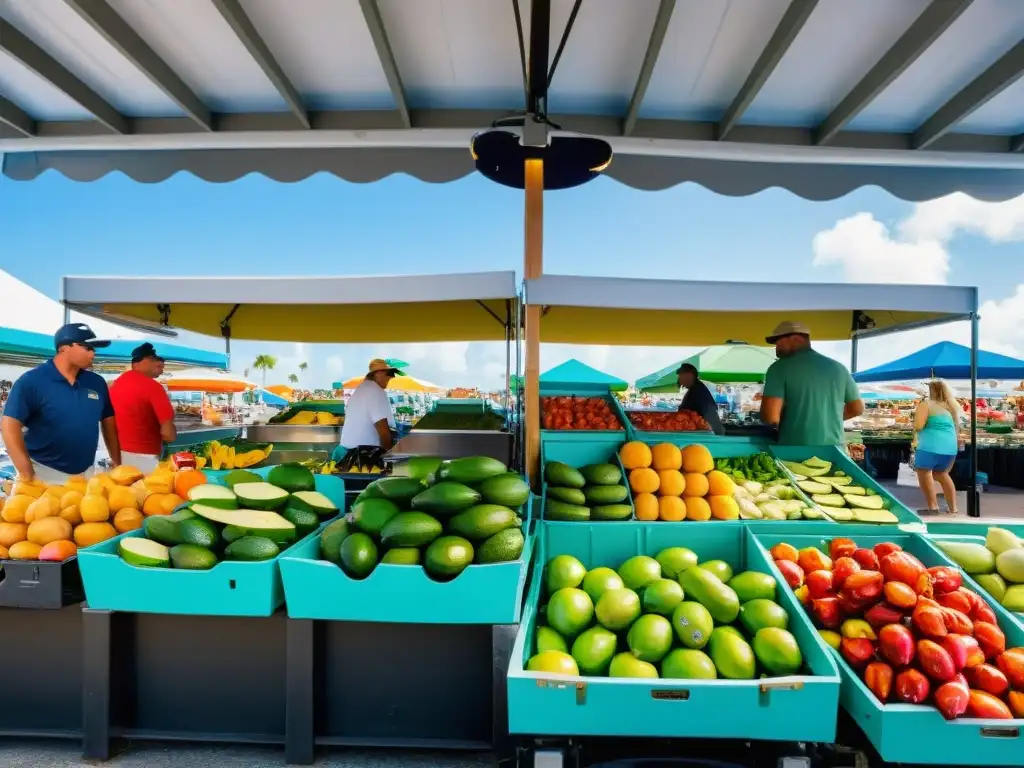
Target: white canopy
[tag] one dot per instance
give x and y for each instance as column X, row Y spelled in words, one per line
column 921, row 97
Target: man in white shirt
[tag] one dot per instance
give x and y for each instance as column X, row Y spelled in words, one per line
column 368, row 415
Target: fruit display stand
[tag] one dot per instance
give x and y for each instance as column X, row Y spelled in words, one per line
column 839, row 461
column 344, row 682
column 910, row 733
column 799, row 707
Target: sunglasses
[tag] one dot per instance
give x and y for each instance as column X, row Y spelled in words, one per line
column 83, row 345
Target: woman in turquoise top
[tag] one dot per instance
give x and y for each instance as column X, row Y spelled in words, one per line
column 937, row 441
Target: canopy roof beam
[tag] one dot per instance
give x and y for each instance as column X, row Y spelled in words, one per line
column 986, row 86
column 933, row 21
column 118, row 33
column 657, row 39
column 15, row 117
column 786, row 32
column 246, row 32
column 34, row 58
column 374, row 22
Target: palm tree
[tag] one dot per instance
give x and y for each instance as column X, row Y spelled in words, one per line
column 293, row 379
column 264, row 363
column 303, row 367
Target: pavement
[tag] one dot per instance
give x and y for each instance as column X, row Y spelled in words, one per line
column 36, row 754
column 996, row 501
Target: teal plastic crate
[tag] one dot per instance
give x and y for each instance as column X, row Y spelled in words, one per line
column 972, row 526
column 604, row 452
column 1003, row 613
column 907, row 733
column 481, row 594
column 228, row 589
column 795, row 708
column 907, row 520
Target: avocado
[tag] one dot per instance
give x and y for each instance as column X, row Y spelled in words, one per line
column 331, row 538
column 197, row 531
column 313, row 501
column 235, row 476
column 410, row 529
column 260, row 495
column 143, row 553
column 189, row 557
column 611, row 512
column 371, row 515
column 358, row 555
column 161, row 529
column 569, row 495
column 252, row 549
column 708, row 590
column 400, row 490
column 483, row 521
column 445, row 499
column 508, row 490
column 401, row 556
column 601, row 474
column 472, row 469
column 605, row 494
column 269, row 524
column 292, row 477
column 560, row 473
column 305, row 522
column 559, row 510
column 502, row 547
column 447, row 557
column 212, row 495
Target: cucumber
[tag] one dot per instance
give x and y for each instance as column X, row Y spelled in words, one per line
column 605, row 494
column 611, row 512
column 568, row 495
column 559, row 510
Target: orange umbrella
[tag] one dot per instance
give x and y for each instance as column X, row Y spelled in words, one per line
column 398, row 384
column 282, row 390
column 206, row 380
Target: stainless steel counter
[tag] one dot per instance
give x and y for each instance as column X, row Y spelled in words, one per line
column 454, row 444
column 280, row 434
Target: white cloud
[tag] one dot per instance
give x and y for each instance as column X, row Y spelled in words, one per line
column 865, row 251
column 939, row 220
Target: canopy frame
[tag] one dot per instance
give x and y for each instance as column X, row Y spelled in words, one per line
column 610, row 300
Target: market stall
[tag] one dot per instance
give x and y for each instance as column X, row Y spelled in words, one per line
column 336, row 642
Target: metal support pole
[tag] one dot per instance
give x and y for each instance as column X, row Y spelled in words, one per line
column 508, row 368
column 973, row 497
column 533, row 260
column 853, row 354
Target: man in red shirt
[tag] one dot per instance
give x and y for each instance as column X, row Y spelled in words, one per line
column 142, row 410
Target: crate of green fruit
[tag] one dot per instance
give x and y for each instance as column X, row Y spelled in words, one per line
column 218, row 554
column 450, row 544
column 666, row 632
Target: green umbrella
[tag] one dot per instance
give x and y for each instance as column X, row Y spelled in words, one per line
column 727, row 363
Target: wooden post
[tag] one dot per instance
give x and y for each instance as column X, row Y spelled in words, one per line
column 533, row 266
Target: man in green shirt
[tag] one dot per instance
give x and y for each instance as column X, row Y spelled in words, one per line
column 807, row 394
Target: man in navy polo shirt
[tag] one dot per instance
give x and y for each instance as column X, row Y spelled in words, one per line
column 53, row 417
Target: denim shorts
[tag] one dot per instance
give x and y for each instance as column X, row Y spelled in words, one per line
column 938, row 462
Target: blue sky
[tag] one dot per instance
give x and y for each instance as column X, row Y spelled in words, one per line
column 53, row 227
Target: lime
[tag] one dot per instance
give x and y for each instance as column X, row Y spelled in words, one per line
column 758, row 614
column 564, row 571
column 549, row 640
column 662, row 597
column 600, row 580
column 593, row 650
column 720, row 568
column 675, row 560
column 617, row 609
column 650, row 637
column 688, row 664
column 692, row 624
column 569, row 611
column 627, row 665
column 638, row 572
column 778, row 652
column 553, row 663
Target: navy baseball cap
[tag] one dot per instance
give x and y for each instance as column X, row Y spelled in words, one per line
column 77, row 333
column 143, row 351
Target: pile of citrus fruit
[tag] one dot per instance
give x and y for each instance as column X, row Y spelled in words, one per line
column 673, row 484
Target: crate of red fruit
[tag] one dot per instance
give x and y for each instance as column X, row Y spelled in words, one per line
column 930, row 671
column 668, row 421
column 580, row 413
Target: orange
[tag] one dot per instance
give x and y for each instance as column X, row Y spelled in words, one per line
column 696, row 485
column 94, row 509
column 71, row 514
column 672, row 482
column 12, row 533
column 720, row 484
column 644, row 480
column 58, row 551
column 666, row 456
column 24, row 550
column 697, row 458
column 671, row 509
column 724, row 507
column 15, row 508
column 154, row 505
column 635, row 455
column 128, row 520
column 697, row 509
column 88, row 534
column 49, row 529
column 187, row 479
column 646, row 506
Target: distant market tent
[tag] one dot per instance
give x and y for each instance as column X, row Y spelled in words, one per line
column 580, row 377
column 945, row 360
column 725, row 363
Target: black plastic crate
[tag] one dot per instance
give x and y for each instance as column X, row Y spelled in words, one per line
column 34, row 584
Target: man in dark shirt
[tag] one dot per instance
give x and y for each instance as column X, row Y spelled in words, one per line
column 698, row 397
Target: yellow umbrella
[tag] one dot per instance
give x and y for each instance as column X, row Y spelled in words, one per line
column 398, row 384
column 206, row 380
